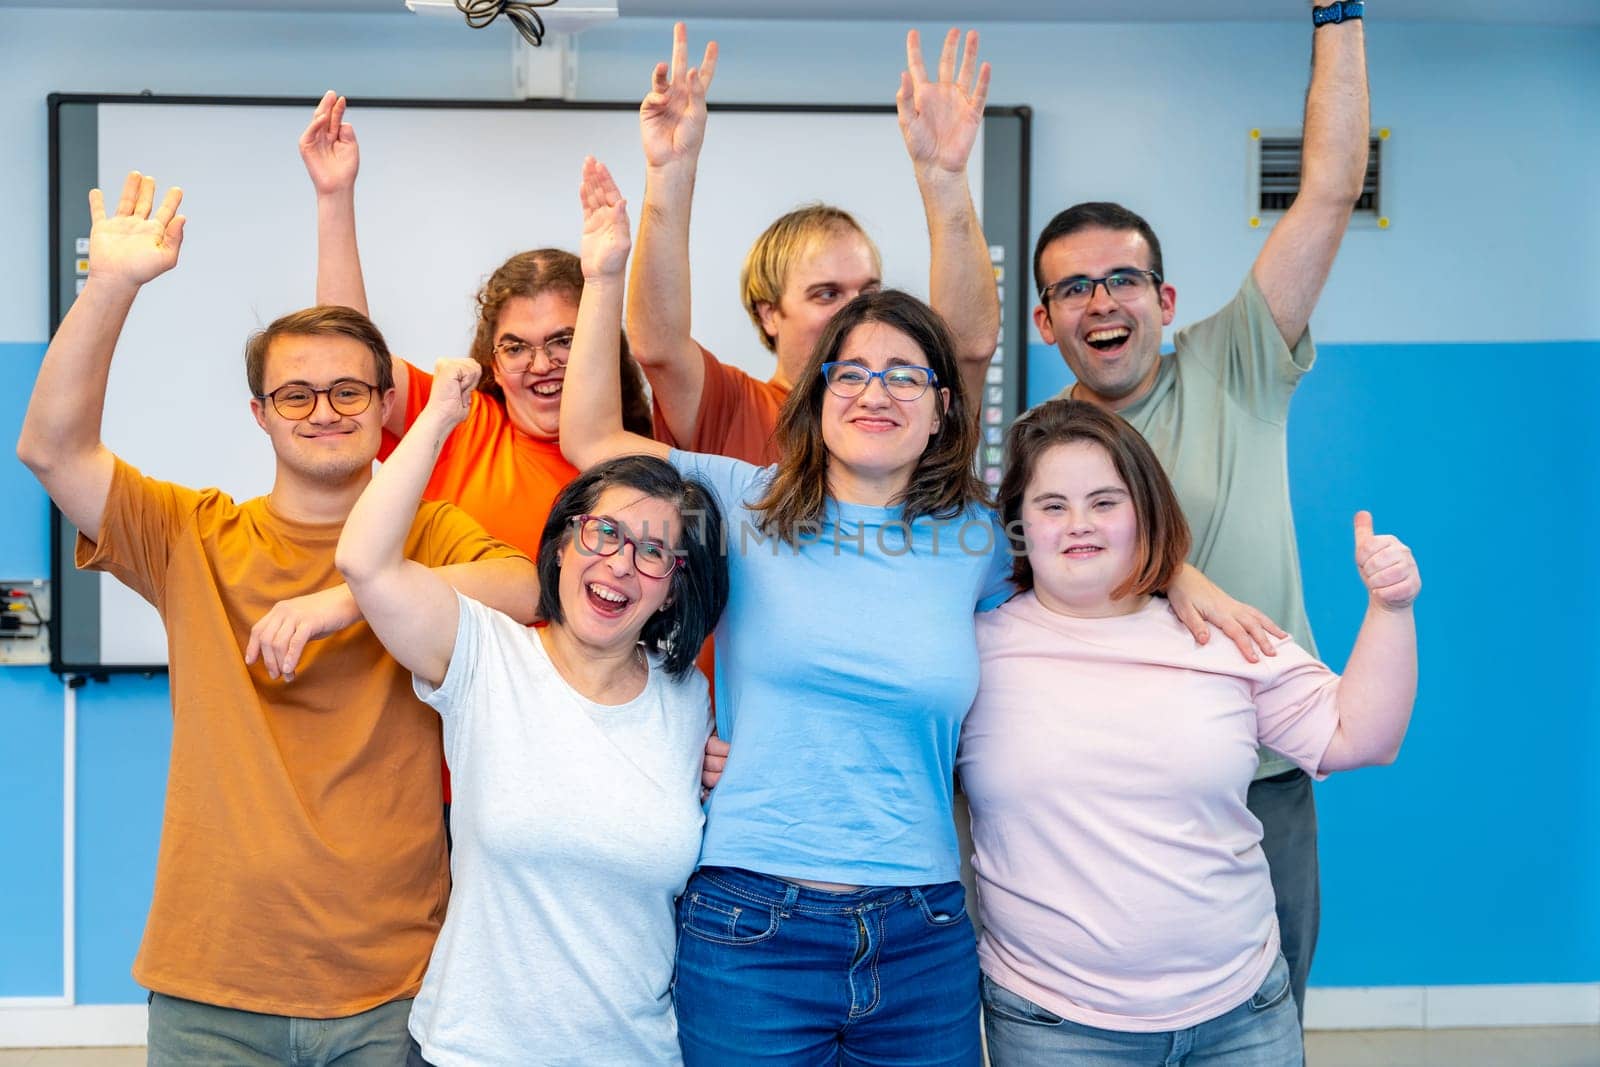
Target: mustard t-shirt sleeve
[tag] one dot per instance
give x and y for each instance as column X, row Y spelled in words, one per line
column 143, row 518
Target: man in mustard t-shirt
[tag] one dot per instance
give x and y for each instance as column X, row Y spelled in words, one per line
column 1216, row 411
column 302, row 874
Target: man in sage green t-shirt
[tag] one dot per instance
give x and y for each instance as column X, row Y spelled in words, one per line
column 1216, row 410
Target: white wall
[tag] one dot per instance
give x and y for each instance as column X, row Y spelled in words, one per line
column 1496, row 138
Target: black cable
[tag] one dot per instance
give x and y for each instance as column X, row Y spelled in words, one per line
column 522, row 14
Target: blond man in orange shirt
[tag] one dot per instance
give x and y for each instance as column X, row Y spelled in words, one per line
column 302, row 875
column 809, row 263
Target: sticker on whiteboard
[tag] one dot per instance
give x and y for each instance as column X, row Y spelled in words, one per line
column 992, row 434
column 992, row 476
column 992, row 416
column 999, row 273
column 81, row 283
column 83, row 266
column 83, row 246
column 995, row 375
column 997, row 253
column 999, row 355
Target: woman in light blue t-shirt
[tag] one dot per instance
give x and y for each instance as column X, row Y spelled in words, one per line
column 827, row 918
column 827, row 915
column 579, row 818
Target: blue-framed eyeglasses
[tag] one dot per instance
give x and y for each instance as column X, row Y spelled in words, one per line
column 849, row 379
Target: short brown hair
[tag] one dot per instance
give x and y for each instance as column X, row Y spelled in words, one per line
column 943, row 484
column 769, row 261
column 1163, row 534
column 531, row 274
column 326, row 320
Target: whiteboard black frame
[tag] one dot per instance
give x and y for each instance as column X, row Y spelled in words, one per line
column 74, row 620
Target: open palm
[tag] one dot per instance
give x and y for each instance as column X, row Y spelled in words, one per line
column 132, row 245
column 606, row 240
column 940, row 119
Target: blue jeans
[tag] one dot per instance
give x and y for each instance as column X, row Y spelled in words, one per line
column 1261, row 1032
column 770, row 972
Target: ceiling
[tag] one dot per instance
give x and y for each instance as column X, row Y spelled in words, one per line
column 1547, row 12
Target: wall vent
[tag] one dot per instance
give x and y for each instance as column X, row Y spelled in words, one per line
column 1274, row 179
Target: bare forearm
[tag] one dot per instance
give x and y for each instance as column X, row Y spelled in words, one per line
column 1337, row 124
column 1377, row 691
column 591, row 394
column 375, row 532
column 961, row 284
column 658, row 294
column 339, row 278
column 68, row 402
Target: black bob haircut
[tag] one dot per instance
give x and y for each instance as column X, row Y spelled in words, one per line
column 699, row 589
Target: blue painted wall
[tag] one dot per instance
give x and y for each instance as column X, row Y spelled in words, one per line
column 1473, row 859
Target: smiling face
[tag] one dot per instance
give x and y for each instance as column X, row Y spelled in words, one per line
column 837, row 266
column 873, row 440
column 1081, row 530
column 605, row 601
column 325, row 448
column 1112, row 345
column 533, row 392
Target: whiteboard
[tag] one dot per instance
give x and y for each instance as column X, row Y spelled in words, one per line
column 447, row 191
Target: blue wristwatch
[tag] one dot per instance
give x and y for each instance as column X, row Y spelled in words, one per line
column 1338, row 11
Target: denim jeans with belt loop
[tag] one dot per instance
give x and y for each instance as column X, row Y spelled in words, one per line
column 770, row 972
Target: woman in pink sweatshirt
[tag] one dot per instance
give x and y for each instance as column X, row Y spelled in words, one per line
column 1127, row 910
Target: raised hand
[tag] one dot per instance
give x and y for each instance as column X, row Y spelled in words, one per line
column 606, row 238
column 133, row 246
column 329, row 147
column 672, row 118
column 940, row 119
column 451, row 397
column 1387, row 567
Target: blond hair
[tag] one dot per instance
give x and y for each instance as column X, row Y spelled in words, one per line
column 769, row 261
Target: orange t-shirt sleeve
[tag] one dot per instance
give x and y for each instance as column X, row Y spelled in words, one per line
column 736, row 417
column 419, row 386
column 143, row 517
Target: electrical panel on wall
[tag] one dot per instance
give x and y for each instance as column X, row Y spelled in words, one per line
column 25, row 623
column 1273, row 179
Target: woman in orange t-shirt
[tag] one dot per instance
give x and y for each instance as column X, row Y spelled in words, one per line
column 503, row 464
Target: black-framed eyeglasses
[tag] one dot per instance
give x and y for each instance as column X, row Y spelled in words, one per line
column 516, row 355
column 601, row 535
column 1121, row 285
column 849, row 379
column 296, row 401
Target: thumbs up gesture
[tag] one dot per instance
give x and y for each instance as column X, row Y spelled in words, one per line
column 1386, row 565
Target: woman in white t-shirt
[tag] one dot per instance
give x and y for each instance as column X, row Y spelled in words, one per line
column 1127, row 909
column 577, row 820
